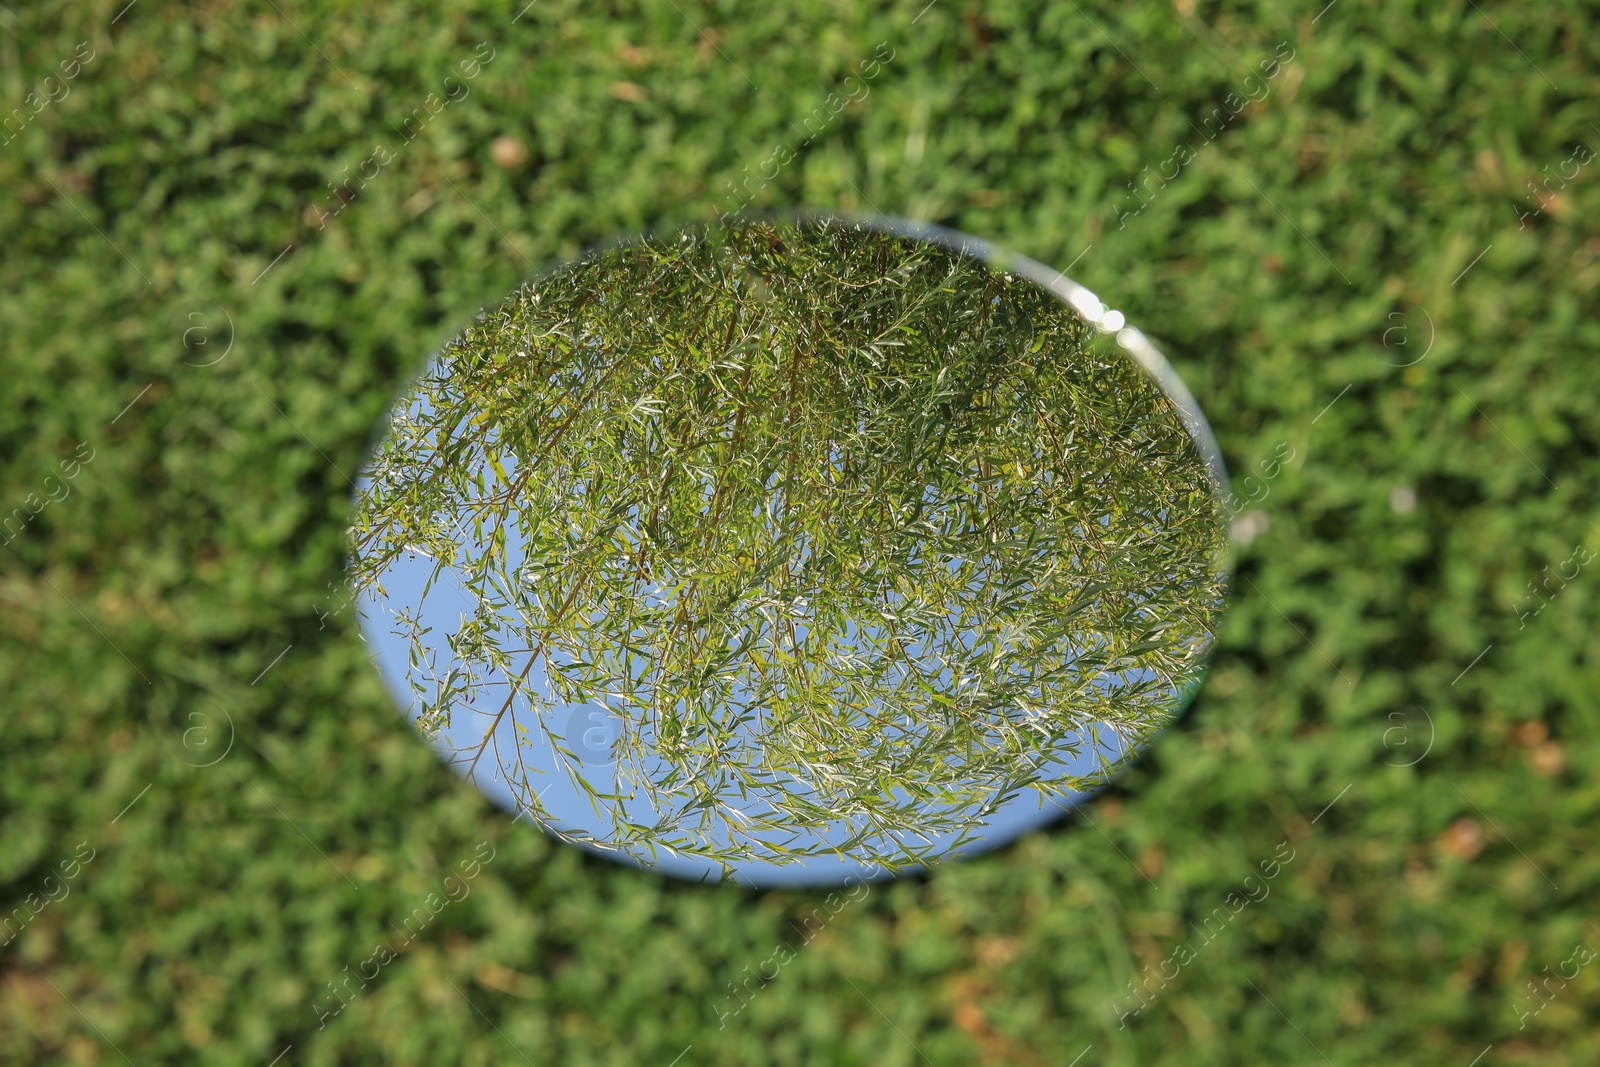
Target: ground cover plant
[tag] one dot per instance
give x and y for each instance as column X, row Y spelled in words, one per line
column 1363, row 233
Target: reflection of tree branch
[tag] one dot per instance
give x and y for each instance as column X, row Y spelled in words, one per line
column 523, row 677
column 863, row 521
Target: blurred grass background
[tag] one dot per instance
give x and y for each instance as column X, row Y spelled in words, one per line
column 185, row 698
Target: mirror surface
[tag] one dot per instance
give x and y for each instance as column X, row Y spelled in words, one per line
column 791, row 551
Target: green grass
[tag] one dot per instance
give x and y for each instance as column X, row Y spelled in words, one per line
column 1279, row 270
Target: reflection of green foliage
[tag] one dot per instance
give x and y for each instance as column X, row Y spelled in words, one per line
column 851, row 530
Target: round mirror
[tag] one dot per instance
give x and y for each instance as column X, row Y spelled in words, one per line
column 793, row 551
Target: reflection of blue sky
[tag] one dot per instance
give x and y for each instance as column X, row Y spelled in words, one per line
column 520, row 748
